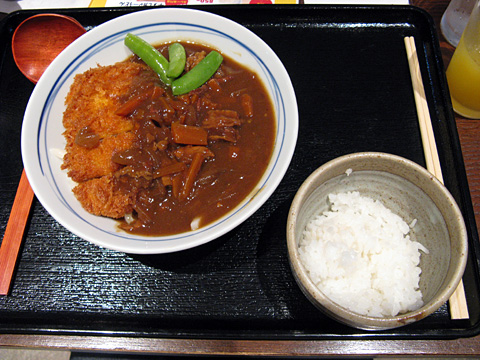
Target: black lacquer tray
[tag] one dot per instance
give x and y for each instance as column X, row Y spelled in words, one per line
column 349, row 69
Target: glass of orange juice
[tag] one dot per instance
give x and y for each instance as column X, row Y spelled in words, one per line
column 463, row 72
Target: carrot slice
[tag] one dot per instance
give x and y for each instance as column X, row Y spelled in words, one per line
column 191, row 175
column 214, row 85
column 247, row 105
column 187, row 134
column 170, row 169
column 177, row 184
column 167, row 180
column 185, row 154
column 134, row 102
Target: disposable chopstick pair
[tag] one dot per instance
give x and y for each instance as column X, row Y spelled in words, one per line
column 457, row 302
column 13, row 236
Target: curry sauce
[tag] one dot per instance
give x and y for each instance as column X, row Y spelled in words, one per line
column 165, row 164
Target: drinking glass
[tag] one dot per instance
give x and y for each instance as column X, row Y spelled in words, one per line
column 463, row 72
column 455, row 19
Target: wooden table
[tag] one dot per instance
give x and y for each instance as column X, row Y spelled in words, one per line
column 469, row 132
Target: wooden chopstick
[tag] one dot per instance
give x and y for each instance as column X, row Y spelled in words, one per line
column 12, row 239
column 457, row 302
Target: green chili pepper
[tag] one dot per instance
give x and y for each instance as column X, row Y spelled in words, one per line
column 177, row 58
column 197, row 76
column 149, row 55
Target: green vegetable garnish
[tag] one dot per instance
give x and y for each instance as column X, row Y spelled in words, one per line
column 197, row 76
column 149, row 55
column 177, row 58
column 169, row 72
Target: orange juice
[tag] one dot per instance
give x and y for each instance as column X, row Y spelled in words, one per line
column 463, row 73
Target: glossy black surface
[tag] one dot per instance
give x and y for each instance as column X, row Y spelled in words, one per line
column 349, row 69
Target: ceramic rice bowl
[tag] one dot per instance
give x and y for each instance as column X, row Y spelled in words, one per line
column 409, row 191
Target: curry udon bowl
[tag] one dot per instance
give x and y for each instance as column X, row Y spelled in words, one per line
column 43, row 143
column 409, row 191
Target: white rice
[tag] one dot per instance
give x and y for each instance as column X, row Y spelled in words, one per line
column 360, row 255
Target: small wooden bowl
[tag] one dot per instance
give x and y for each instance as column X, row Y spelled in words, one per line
column 39, row 39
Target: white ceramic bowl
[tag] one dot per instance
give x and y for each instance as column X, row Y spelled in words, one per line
column 409, row 191
column 43, row 142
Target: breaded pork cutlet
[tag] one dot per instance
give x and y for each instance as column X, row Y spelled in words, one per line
column 94, row 133
column 91, row 104
column 99, row 196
